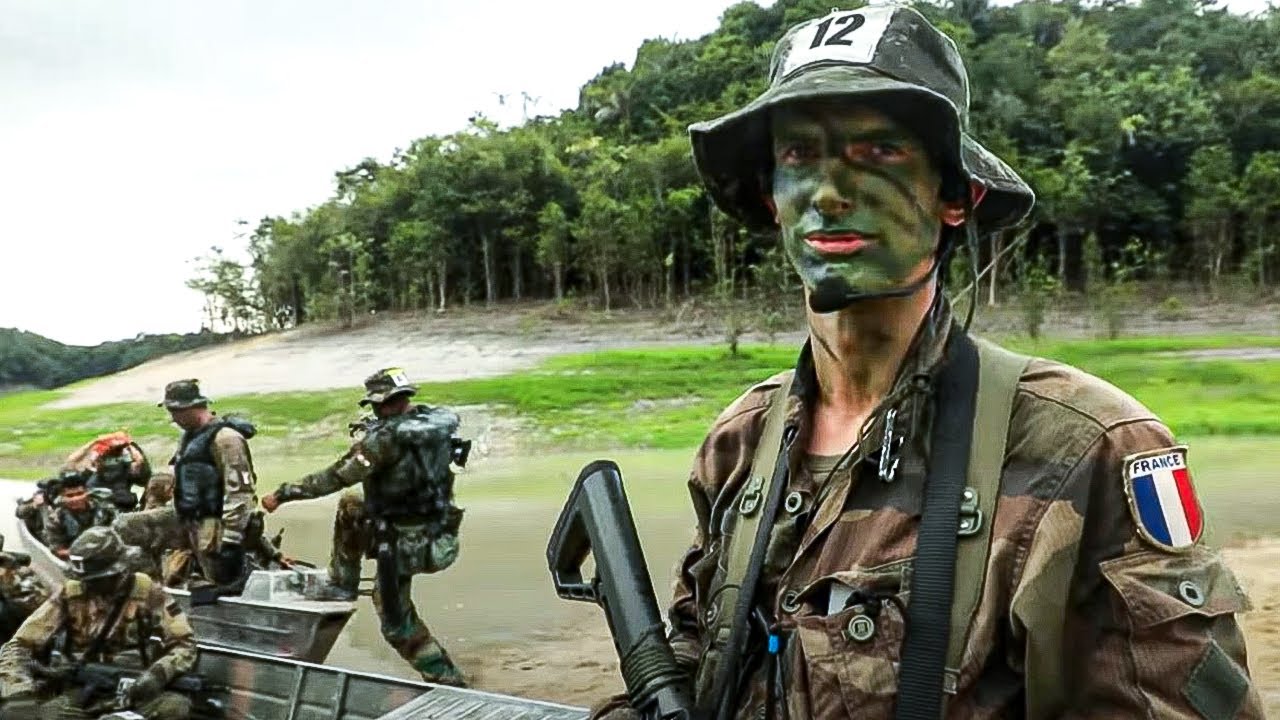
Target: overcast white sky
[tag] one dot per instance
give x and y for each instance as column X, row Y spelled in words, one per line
column 134, row 133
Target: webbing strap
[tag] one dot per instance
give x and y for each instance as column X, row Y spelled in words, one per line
column 924, row 650
column 998, row 373
column 757, row 508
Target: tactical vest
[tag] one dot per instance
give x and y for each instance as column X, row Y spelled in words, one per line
column 419, row 482
column 999, row 371
column 198, row 489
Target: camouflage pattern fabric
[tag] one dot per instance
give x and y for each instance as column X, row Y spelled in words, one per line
column 63, row 525
column 406, row 632
column 235, row 466
column 22, row 591
column 159, row 491
column 148, row 612
column 166, row 706
column 35, row 512
column 372, row 459
column 1079, row 616
column 172, row 542
column 21, row 588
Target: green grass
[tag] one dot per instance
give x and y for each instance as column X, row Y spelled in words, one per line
column 656, row 398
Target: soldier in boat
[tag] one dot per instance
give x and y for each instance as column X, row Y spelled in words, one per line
column 102, row 611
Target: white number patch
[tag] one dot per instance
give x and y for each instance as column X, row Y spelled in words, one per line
column 847, row 36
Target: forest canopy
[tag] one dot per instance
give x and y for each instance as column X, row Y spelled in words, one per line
column 1147, row 129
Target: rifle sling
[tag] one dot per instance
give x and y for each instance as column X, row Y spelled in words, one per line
column 924, row 649
column 94, row 651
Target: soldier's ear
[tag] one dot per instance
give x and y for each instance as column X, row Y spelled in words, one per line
column 953, row 211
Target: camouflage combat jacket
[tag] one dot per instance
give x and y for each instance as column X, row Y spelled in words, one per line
column 63, row 525
column 418, row 501
column 22, row 592
column 149, row 612
column 1080, row 615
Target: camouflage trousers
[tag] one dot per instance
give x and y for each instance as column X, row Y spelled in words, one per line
column 167, row 706
column 161, row 531
column 405, row 632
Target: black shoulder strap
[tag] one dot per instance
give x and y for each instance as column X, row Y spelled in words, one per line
column 924, row 650
column 94, row 652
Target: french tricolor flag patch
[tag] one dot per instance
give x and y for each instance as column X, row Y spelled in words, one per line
column 1162, row 498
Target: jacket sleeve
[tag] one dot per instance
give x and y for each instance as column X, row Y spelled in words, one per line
column 356, row 465
column 235, row 467
column 176, row 638
column 17, row 654
column 1115, row 624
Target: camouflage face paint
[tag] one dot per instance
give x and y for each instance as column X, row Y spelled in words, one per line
column 856, row 195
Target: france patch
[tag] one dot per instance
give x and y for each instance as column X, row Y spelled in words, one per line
column 1162, row 499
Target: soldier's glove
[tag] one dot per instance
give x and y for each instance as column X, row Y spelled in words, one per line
column 147, row 687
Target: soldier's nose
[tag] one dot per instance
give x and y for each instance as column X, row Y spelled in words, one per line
column 830, row 202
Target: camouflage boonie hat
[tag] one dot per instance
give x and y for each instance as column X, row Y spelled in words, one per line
column 874, row 53
column 181, row 394
column 386, row 384
column 97, row 553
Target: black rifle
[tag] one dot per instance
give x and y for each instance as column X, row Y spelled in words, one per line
column 105, row 687
column 386, row 556
column 597, row 520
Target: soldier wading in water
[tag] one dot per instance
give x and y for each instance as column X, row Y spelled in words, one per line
column 952, row 530
column 406, row 519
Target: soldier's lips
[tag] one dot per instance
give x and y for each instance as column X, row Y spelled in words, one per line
column 838, row 244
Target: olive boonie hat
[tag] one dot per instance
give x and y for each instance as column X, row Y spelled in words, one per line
column 386, row 384
column 98, row 552
column 181, row 394
column 876, row 50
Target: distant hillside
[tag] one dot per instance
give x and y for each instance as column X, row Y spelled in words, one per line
column 30, row 360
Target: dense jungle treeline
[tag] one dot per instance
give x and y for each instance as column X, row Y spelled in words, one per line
column 1150, row 131
column 30, row 360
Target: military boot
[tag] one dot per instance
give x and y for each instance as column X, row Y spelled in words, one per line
column 435, row 666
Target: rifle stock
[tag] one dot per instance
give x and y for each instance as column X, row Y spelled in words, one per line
column 596, row 520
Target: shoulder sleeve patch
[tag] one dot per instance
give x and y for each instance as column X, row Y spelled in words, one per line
column 1162, row 498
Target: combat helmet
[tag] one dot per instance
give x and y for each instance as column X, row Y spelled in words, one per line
column 386, row 384
column 97, row 553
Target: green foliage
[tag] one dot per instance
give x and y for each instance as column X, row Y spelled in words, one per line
column 27, row 359
column 1037, row 289
column 1152, row 119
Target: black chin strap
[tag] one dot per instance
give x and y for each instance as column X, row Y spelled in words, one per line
column 830, row 297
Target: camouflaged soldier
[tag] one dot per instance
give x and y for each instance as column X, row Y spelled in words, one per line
column 406, row 518
column 1052, row 566
column 117, row 463
column 214, row 498
column 21, row 591
column 101, row 611
column 34, row 511
column 76, row 509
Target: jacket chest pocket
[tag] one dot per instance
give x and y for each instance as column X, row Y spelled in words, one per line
column 850, row 627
